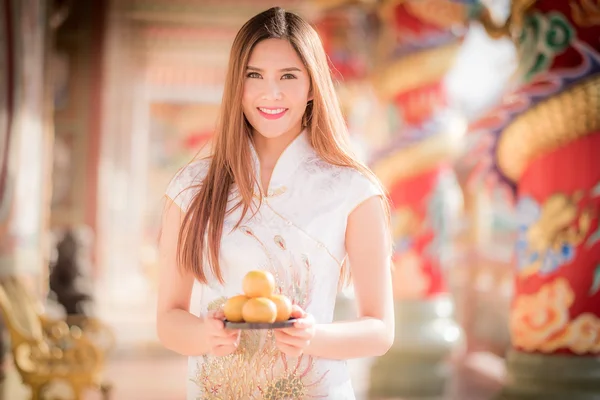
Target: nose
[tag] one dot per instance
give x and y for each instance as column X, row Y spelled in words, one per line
column 272, row 90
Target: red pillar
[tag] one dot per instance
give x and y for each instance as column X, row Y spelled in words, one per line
column 426, row 197
column 548, row 148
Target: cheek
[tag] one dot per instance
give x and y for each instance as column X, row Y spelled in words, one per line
column 305, row 92
column 247, row 98
column 298, row 94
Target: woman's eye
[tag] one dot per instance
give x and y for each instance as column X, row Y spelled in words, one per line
column 288, row 76
column 253, row 75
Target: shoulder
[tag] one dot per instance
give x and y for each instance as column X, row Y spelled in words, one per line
column 353, row 186
column 362, row 185
column 186, row 182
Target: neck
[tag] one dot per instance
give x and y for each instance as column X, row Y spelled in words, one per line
column 269, row 149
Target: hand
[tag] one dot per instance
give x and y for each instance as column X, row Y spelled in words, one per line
column 221, row 341
column 292, row 341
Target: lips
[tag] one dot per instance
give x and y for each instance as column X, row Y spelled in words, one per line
column 272, row 112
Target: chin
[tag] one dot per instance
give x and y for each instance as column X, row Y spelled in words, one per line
column 272, row 131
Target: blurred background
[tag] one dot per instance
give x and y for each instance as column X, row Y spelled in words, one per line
column 480, row 117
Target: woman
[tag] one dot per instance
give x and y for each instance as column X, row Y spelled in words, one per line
column 279, row 192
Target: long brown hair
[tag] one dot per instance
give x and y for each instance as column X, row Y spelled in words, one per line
column 231, row 159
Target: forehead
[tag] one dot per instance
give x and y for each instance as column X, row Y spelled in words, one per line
column 274, row 54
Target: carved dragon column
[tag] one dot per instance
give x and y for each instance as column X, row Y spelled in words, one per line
column 420, row 39
column 548, row 148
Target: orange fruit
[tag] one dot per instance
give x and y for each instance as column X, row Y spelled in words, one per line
column 259, row 310
column 233, row 308
column 258, row 284
column 284, row 307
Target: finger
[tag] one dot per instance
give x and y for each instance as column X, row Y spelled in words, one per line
column 217, row 340
column 227, row 333
column 292, row 341
column 219, row 314
column 303, row 323
column 295, row 332
column 211, row 314
column 233, row 332
column 223, row 341
column 297, row 312
column 217, row 328
column 223, row 350
column 215, row 324
column 289, row 350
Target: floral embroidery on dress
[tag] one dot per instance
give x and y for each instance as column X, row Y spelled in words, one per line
column 267, row 374
column 295, row 382
column 258, row 370
column 279, row 242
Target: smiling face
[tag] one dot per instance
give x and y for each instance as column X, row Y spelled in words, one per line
column 276, row 89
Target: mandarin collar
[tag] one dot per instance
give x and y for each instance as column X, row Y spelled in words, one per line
column 297, row 151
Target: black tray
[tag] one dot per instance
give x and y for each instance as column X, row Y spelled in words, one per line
column 249, row 325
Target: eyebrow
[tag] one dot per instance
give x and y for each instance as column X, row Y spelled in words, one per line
column 289, row 69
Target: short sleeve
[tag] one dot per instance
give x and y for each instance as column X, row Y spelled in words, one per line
column 361, row 189
column 186, row 183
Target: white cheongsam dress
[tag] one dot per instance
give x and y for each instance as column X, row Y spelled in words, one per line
column 298, row 235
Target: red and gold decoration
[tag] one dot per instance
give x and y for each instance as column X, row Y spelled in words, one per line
column 417, row 261
column 345, row 36
column 548, row 132
column 418, row 43
column 559, row 246
column 416, row 50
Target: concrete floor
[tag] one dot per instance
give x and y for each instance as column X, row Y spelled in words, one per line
column 162, row 377
column 140, row 368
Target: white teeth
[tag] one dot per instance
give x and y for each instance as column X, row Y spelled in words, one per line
column 269, row 111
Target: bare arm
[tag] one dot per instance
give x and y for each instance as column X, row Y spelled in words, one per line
column 372, row 333
column 177, row 328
